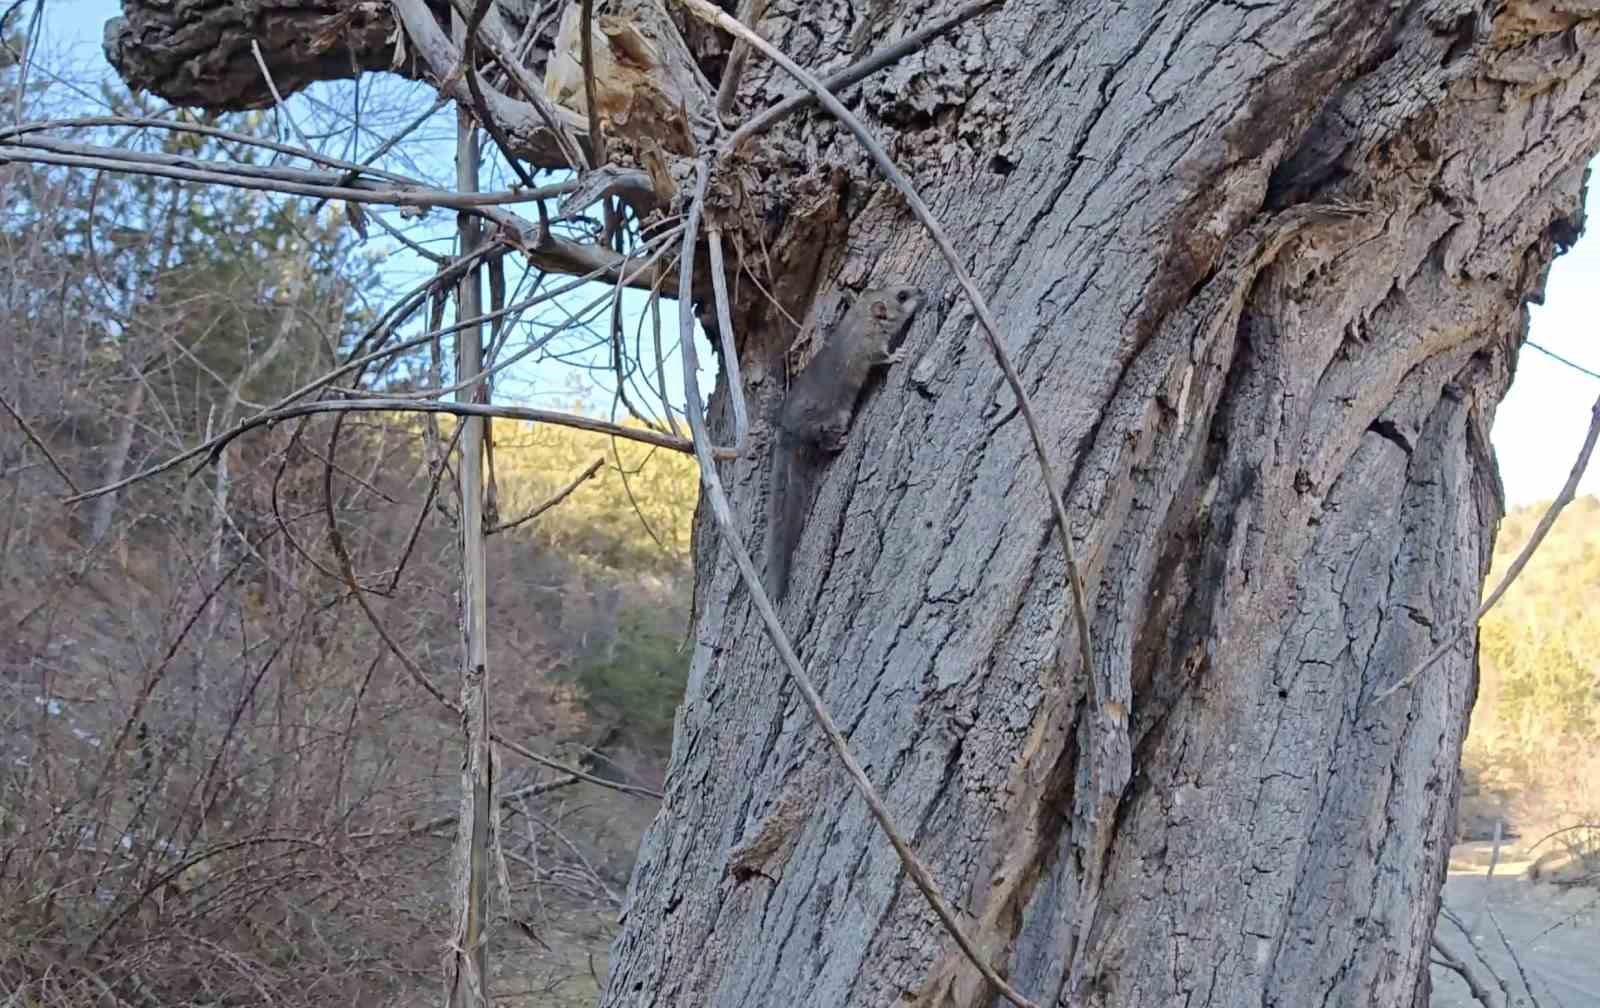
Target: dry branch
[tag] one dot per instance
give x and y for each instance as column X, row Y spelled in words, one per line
column 730, row 349
column 290, row 181
column 352, row 169
column 38, row 442
column 377, row 405
column 347, row 576
column 467, row 973
column 556, row 498
column 543, row 134
column 1474, row 983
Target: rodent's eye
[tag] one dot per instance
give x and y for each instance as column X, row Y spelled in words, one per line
column 902, row 295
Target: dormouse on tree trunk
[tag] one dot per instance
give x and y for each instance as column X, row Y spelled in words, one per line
column 815, row 416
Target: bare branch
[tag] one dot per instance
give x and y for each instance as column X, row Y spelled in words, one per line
column 730, row 350
column 557, row 498
column 1468, row 975
column 631, row 185
column 544, row 134
column 597, row 139
column 467, row 973
column 290, row 181
column 277, row 99
column 480, row 104
column 578, row 421
column 750, row 12
column 1477, row 952
column 384, row 324
column 1516, row 960
column 352, row 169
column 38, row 442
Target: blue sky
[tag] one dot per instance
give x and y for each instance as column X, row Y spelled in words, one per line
column 1538, row 428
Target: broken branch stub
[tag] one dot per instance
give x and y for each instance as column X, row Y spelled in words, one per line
column 642, row 95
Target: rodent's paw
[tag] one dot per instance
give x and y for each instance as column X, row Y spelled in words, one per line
column 897, row 357
column 832, row 439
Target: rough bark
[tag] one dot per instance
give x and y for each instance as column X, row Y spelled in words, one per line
column 1263, row 268
column 197, row 52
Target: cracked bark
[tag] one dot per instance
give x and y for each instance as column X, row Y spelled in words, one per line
column 1264, row 268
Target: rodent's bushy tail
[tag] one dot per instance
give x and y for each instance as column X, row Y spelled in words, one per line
column 789, row 498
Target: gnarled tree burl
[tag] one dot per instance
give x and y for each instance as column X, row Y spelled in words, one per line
column 1262, row 269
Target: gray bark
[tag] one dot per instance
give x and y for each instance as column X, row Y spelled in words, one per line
column 1276, row 424
column 1263, row 268
column 467, row 976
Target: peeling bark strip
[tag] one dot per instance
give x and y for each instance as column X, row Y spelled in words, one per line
column 1262, row 269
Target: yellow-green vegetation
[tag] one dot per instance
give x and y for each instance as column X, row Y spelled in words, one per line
column 627, row 529
column 1535, row 737
column 633, row 517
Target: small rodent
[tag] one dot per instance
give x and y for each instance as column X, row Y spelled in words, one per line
column 815, row 417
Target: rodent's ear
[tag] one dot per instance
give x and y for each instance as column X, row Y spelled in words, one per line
column 880, row 309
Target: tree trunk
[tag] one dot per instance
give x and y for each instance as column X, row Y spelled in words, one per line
column 105, row 508
column 1263, row 269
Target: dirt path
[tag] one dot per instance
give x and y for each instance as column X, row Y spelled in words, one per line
column 1555, row 932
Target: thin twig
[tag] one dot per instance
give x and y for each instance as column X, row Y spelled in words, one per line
column 1568, row 492
column 365, row 165
column 559, row 496
column 722, row 512
column 347, row 576
column 1515, row 959
column 352, row 169
column 1477, row 951
column 575, row 420
column 384, row 324
column 480, row 104
column 1558, row 832
column 545, row 761
column 262, row 179
column 730, row 351
column 39, row 443
column 442, row 57
column 277, row 99
column 1574, row 365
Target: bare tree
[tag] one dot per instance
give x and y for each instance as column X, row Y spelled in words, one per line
column 205, row 756
column 1262, row 271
